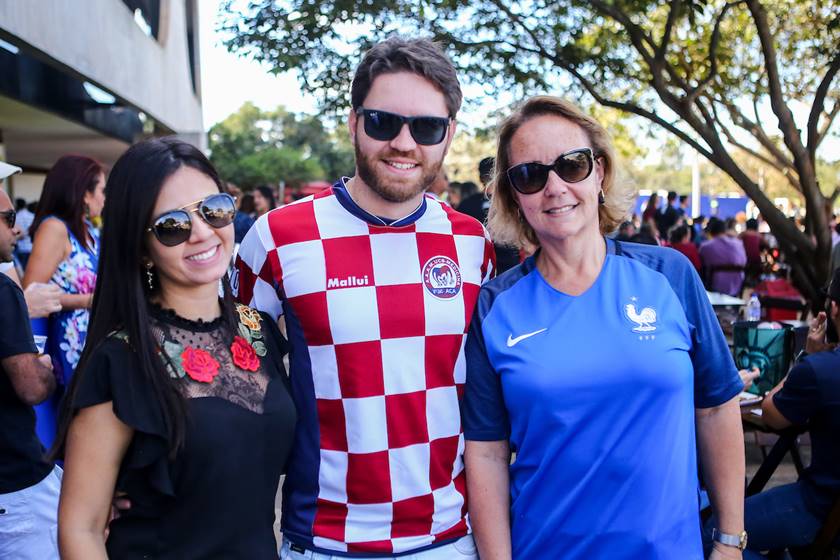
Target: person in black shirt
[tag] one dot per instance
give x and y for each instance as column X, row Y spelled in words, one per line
column 477, row 205
column 667, row 218
column 29, row 485
column 791, row 515
column 181, row 399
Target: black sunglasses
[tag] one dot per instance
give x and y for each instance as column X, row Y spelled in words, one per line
column 384, row 126
column 10, row 217
column 175, row 226
column 573, row 167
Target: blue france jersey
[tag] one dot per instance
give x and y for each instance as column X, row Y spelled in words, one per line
column 596, row 394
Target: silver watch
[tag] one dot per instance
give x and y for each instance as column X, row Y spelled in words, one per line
column 739, row 541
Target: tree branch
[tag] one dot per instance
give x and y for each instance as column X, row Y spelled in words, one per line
column 828, row 122
column 713, row 46
column 666, row 34
column 743, row 147
column 757, row 132
column 542, row 51
column 790, row 133
column 814, row 136
column 636, row 110
column 641, row 42
column 802, row 159
column 834, row 194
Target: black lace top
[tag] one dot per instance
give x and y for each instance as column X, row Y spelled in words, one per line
column 216, row 498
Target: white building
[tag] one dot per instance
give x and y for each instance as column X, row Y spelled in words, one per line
column 92, row 77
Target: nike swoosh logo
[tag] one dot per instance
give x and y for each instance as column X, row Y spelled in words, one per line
column 511, row 342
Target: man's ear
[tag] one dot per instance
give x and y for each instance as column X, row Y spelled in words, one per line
column 450, row 134
column 352, row 121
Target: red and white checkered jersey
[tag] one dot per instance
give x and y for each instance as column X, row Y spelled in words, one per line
column 377, row 317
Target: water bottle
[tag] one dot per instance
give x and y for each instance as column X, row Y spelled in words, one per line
column 754, row 309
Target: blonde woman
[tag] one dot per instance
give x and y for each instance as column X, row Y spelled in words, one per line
column 596, row 362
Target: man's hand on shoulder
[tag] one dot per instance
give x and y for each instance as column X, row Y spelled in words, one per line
column 42, row 299
column 31, row 376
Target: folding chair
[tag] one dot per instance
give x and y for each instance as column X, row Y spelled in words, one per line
column 827, row 541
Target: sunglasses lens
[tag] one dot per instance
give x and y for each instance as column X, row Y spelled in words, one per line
column 428, row 131
column 382, row 126
column 528, row 178
column 574, row 167
column 218, row 210
column 10, row 218
column 173, row 228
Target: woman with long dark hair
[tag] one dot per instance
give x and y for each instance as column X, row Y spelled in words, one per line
column 264, row 200
column 180, row 399
column 65, row 251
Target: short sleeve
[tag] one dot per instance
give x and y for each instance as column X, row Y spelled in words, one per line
column 799, row 398
column 15, row 332
column 255, row 284
column 483, row 411
column 716, row 379
column 113, row 374
column 489, row 263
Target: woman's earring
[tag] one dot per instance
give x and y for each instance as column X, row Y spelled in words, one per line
column 150, row 278
column 601, row 199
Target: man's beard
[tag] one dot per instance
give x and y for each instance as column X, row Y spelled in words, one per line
column 395, row 192
column 7, row 257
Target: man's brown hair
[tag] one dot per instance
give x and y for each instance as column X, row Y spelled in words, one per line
column 418, row 56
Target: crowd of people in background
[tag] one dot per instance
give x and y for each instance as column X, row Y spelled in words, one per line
column 728, row 253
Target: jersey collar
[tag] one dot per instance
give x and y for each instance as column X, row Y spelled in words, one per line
column 344, row 198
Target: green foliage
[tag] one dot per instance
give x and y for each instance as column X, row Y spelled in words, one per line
column 706, row 71
column 253, row 147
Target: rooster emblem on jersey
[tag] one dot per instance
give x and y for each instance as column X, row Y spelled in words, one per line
column 643, row 319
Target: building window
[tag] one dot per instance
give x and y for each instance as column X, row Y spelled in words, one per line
column 146, row 15
column 192, row 47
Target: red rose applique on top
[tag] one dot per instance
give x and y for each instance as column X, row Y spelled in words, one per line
column 199, row 364
column 244, row 355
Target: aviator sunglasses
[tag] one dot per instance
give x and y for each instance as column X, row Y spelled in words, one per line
column 175, row 226
column 10, row 217
column 384, row 126
column 573, row 167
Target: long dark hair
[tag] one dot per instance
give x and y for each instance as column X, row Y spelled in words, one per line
column 64, row 191
column 268, row 194
column 120, row 298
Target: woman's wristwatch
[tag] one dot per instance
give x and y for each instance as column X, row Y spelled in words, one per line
column 739, row 541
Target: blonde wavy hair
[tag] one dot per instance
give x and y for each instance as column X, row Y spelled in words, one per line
column 504, row 221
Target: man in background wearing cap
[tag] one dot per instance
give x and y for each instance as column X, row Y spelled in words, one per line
column 8, row 268
column 41, row 299
column 29, row 485
column 791, row 515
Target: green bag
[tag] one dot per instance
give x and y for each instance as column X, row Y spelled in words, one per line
column 770, row 350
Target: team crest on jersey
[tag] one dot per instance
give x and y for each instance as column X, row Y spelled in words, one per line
column 442, row 277
column 643, row 319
